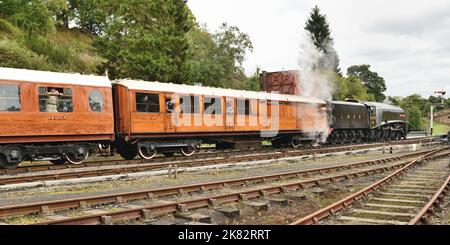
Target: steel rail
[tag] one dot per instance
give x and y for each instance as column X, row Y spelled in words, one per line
column 30, row 208
column 159, row 209
column 345, row 202
column 197, row 162
column 429, row 206
column 50, row 167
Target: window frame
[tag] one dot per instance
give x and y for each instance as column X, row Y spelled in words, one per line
column 192, row 109
column 102, row 102
column 19, row 97
column 212, row 103
column 247, row 109
column 58, row 87
column 157, row 105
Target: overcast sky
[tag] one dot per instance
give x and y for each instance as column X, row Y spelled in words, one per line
column 406, row 42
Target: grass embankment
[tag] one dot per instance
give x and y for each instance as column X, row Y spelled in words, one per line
column 440, row 129
column 62, row 50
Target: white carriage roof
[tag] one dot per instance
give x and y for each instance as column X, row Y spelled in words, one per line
column 384, row 106
column 12, row 74
column 210, row 91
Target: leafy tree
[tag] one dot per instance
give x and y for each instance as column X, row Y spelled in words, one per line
column 216, row 59
column 317, row 25
column 252, row 83
column 33, row 16
column 145, row 39
column 414, row 116
column 202, row 65
column 412, row 106
column 372, row 81
column 351, row 88
column 88, row 15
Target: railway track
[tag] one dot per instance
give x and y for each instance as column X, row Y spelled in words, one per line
column 406, row 196
column 206, row 153
column 234, row 157
column 290, row 181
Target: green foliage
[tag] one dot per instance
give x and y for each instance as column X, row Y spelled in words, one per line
column 9, row 30
column 216, row 60
column 317, row 25
column 414, row 117
column 145, row 39
column 33, row 16
column 89, row 15
column 139, row 39
column 14, row 56
column 252, row 83
column 65, row 51
column 412, row 106
column 372, row 81
column 351, row 88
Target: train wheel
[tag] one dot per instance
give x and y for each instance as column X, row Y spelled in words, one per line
column 393, row 136
column 168, row 154
column 59, row 161
column 77, row 158
column 187, row 151
column 147, row 153
column 5, row 164
column 295, row 143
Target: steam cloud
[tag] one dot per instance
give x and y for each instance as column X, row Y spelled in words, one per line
column 316, row 79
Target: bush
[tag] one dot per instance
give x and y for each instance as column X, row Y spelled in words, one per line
column 9, row 29
column 14, row 56
column 56, row 53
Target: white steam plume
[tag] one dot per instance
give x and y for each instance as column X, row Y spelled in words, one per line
column 316, row 79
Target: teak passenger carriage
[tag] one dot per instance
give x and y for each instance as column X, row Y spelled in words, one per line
column 152, row 117
column 52, row 116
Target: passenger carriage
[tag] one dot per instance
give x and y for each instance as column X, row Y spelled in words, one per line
column 52, row 116
column 156, row 117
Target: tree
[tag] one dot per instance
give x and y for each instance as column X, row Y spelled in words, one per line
column 351, row 88
column 33, row 16
column 88, row 15
column 319, row 29
column 412, row 106
column 372, row 81
column 145, row 39
column 216, row 59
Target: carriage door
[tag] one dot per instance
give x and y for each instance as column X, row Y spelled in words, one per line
column 230, row 106
column 170, row 113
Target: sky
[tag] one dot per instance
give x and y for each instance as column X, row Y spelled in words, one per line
column 405, row 42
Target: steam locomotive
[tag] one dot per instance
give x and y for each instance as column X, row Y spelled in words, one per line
column 354, row 122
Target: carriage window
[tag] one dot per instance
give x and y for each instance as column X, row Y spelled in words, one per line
column 243, row 107
column 9, row 97
column 212, row 105
column 189, row 104
column 229, row 106
column 52, row 99
column 96, row 101
column 147, row 102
